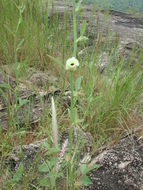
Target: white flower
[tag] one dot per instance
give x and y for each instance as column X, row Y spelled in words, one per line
column 72, row 64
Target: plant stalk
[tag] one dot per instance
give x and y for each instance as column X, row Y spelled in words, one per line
column 72, row 97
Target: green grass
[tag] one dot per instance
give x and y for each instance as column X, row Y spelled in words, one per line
column 109, row 106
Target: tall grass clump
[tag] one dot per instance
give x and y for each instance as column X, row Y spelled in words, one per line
column 112, row 100
column 38, row 32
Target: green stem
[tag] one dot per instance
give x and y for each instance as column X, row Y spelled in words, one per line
column 72, row 99
column 16, row 61
column 16, row 67
column 74, row 28
column 71, row 127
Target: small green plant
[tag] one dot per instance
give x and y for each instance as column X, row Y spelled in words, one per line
column 72, row 65
column 85, row 169
column 48, row 169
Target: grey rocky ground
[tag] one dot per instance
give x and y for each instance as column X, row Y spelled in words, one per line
column 126, row 25
column 121, row 166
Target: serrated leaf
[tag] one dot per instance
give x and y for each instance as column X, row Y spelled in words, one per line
column 85, row 181
column 18, row 175
column 43, row 168
column 83, row 28
column 78, row 83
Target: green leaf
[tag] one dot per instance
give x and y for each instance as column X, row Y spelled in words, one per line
column 53, row 181
column 83, row 168
column 95, row 166
column 52, row 162
column 75, row 115
column 45, row 144
column 23, row 101
column 78, row 6
column 18, row 175
column 82, row 39
column 54, row 173
column 85, row 181
column 83, row 28
column 44, row 182
column 20, row 44
column 52, row 151
column 78, row 83
column 43, row 168
column 5, row 85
